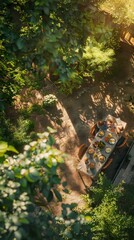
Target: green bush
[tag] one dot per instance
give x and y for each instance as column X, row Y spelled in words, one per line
column 109, row 220
column 21, row 132
column 50, row 100
column 20, row 177
column 96, row 58
column 37, row 108
column 5, row 128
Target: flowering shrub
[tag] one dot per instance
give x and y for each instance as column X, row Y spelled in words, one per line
column 50, row 100
column 21, row 177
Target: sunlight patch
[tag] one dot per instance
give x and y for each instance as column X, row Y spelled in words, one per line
column 97, row 98
column 118, row 110
column 109, row 102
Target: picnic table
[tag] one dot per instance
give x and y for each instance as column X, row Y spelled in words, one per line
column 100, row 149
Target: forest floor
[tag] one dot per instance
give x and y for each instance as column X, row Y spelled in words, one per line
column 74, row 115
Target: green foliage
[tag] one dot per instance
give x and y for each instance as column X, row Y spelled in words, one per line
column 96, row 58
column 12, row 76
column 71, row 81
column 31, row 178
column 109, row 221
column 51, row 36
column 4, row 147
column 36, row 108
column 21, row 131
column 49, row 100
column 98, row 192
column 107, row 35
column 5, row 128
column 127, row 199
column 72, row 224
column 21, row 176
column 17, row 133
column 122, row 11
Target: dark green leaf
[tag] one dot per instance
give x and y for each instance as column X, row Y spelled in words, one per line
column 50, row 196
column 23, row 182
column 64, row 184
column 58, row 195
column 23, row 220
column 51, row 140
column 73, row 205
column 46, row 10
column 65, row 190
column 72, row 215
column 76, row 227
column 20, row 43
column 55, row 179
column 32, row 175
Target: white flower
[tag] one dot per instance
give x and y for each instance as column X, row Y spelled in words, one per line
column 32, row 144
column 27, row 147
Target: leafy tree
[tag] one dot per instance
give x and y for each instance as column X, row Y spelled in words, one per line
column 29, row 181
column 12, row 76
column 122, row 11
column 96, row 58
column 22, row 177
column 51, row 35
column 109, row 220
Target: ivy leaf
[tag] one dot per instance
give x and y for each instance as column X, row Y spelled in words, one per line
column 64, row 184
column 65, row 190
column 73, row 205
column 51, row 140
column 20, row 43
column 46, row 10
column 76, row 227
column 72, row 215
column 32, row 175
column 58, row 195
column 23, row 182
column 55, row 179
column 50, row 196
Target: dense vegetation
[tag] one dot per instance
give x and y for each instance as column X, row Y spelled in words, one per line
column 65, row 41
column 69, row 42
column 29, row 181
column 121, row 10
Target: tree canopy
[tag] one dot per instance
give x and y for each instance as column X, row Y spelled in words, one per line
column 122, row 11
column 53, row 36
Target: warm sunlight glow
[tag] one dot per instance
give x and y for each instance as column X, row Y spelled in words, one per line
column 97, row 98
column 109, row 102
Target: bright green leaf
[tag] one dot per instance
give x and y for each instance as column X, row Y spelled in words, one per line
column 12, row 149
column 3, row 147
